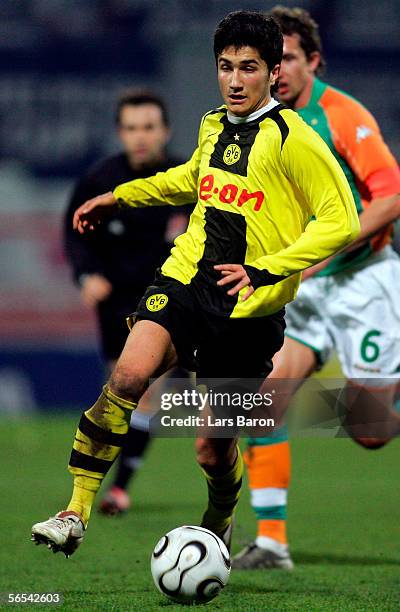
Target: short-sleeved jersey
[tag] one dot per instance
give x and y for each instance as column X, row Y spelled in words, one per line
column 353, row 136
column 257, row 184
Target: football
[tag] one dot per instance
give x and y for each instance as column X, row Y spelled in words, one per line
column 190, row 564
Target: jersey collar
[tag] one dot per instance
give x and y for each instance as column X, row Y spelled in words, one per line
column 265, row 109
column 318, row 89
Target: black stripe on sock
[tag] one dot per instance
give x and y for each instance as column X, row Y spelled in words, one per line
column 92, row 464
column 224, row 507
column 235, row 488
column 93, row 431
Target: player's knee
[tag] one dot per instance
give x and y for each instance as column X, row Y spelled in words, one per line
column 370, row 443
column 206, row 454
column 213, row 457
column 128, row 383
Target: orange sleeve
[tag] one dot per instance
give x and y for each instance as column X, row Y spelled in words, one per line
column 384, row 183
column 357, row 138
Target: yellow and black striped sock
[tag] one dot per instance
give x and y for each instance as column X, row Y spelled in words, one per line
column 223, row 496
column 98, row 441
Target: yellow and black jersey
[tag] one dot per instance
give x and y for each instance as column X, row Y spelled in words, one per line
column 257, row 185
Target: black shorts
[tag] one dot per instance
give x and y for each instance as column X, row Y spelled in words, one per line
column 111, row 316
column 211, row 345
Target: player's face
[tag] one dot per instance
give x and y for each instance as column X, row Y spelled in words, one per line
column 143, row 133
column 244, row 80
column 296, row 72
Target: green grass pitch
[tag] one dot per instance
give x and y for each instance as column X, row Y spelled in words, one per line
column 344, row 527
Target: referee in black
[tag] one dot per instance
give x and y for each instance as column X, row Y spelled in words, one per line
column 114, row 267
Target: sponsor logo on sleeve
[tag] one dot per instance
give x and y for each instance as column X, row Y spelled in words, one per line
column 362, row 132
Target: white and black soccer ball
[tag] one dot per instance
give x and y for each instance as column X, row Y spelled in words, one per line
column 190, row 564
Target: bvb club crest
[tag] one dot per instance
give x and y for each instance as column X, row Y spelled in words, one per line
column 156, row 302
column 232, row 154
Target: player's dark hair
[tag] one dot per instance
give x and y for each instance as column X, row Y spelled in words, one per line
column 138, row 97
column 299, row 21
column 250, row 29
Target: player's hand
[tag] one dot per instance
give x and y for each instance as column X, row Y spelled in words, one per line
column 235, row 273
column 91, row 213
column 94, row 289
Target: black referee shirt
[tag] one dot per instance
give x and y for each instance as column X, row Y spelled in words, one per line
column 129, row 246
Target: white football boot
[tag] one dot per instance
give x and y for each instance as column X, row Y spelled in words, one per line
column 255, row 557
column 61, row 533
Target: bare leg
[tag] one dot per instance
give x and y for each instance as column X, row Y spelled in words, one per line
column 117, row 499
column 148, row 351
column 370, row 419
column 292, row 365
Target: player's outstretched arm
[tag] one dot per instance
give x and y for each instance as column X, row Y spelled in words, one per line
column 175, row 187
column 91, row 213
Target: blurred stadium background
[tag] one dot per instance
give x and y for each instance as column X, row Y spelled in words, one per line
column 62, row 63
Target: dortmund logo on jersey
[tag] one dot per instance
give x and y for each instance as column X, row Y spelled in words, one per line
column 156, row 302
column 232, row 154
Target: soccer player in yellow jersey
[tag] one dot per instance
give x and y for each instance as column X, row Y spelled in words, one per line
column 258, row 175
column 348, row 302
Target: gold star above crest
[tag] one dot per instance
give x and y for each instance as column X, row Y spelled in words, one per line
column 236, row 136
